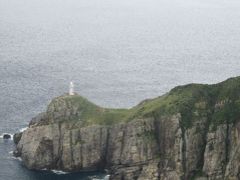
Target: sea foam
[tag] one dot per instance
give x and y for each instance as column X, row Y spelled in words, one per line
column 59, row 172
column 16, row 158
column 23, row 129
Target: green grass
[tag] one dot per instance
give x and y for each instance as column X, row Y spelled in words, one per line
column 88, row 112
column 193, row 102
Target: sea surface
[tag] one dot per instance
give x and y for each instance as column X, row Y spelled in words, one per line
column 117, row 52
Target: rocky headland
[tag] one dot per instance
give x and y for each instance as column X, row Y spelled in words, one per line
column 192, row 132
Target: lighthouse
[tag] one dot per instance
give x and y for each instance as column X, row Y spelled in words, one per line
column 71, row 89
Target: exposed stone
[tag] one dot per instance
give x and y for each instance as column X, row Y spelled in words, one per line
column 17, row 137
column 6, row 136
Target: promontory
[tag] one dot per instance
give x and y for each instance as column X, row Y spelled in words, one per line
column 191, row 132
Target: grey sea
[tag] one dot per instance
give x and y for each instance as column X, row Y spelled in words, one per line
column 117, row 52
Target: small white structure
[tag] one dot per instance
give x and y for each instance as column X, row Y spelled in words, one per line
column 71, row 89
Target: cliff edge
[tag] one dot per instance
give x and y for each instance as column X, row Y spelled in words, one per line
column 192, row 132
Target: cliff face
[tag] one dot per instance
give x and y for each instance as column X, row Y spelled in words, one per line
column 192, row 132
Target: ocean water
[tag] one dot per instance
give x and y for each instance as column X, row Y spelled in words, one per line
column 117, row 52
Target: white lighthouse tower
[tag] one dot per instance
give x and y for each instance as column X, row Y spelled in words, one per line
column 71, row 89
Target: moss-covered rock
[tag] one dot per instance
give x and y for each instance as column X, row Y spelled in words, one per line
column 17, row 137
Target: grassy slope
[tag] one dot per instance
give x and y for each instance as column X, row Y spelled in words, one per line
column 191, row 101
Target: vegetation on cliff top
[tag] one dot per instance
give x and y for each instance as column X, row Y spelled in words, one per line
column 220, row 103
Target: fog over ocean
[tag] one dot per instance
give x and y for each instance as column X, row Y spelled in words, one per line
column 117, row 53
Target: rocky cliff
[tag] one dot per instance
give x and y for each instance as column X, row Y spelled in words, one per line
column 192, row 132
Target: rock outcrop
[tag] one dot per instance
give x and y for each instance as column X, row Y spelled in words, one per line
column 6, row 136
column 192, row 132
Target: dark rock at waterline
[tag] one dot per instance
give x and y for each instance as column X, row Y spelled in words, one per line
column 17, row 137
column 17, row 153
column 6, row 136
